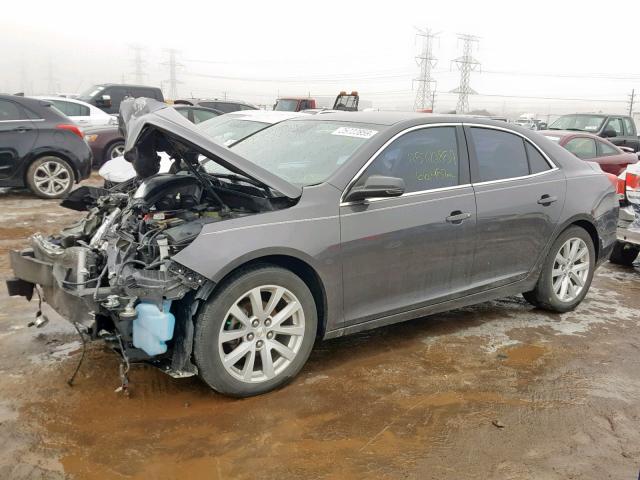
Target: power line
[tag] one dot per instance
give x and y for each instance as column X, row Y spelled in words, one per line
column 138, row 63
column 173, row 78
column 51, row 80
column 466, row 64
column 426, row 61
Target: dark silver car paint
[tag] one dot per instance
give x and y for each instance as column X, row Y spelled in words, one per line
column 388, row 260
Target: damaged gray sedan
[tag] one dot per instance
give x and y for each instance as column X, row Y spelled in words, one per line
column 235, row 262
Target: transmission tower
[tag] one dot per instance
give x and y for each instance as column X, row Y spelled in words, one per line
column 51, row 80
column 426, row 61
column 466, row 64
column 138, row 63
column 173, row 78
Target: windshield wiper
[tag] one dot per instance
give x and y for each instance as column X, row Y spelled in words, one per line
column 242, row 178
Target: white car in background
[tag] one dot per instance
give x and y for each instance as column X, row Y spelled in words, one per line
column 226, row 130
column 81, row 113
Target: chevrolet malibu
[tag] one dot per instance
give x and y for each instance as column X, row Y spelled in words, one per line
column 316, row 227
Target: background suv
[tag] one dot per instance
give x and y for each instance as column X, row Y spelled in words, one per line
column 40, row 148
column 618, row 129
column 108, row 96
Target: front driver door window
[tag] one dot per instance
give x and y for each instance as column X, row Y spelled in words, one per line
column 410, row 251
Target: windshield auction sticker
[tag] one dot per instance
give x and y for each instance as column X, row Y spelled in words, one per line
column 354, row 132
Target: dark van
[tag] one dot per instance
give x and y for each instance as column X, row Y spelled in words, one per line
column 107, row 96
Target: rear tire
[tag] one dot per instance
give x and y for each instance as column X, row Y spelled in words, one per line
column 50, row 177
column 256, row 332
column 624, row 254
column 563, row 285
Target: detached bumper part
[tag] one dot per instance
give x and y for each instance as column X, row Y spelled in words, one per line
column 628, row 228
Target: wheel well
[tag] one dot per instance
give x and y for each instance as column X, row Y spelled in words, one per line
column 593, row 233
column 303, row 270
column 76, row 174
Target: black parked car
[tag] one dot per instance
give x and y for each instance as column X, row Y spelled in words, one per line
column 40, row 148
column 618, row 129
column 108, row 96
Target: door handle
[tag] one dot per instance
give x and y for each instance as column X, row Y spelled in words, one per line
column 21, row 129
column 457, row 217
column 547, row 200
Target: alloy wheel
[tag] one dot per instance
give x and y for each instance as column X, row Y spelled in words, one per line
column 117, row 151
column 262, row 334
column 51, row 178
column 570, row 269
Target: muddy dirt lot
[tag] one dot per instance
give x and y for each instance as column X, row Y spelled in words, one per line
column 495, row 391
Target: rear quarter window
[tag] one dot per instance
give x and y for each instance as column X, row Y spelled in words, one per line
column 11, row 111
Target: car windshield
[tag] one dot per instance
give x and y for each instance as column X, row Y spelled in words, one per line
column 286, row 105
column 586, row 123
column 305, row 152
column 226, row 130
column 90, row 92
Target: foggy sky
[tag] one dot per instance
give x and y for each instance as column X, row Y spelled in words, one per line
column 256, row 51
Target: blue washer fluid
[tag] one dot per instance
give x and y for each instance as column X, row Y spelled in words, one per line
column 153, row 327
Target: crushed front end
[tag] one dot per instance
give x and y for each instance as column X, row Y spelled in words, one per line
column 112, row 271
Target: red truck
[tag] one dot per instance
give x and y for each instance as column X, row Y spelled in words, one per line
column 344, row 101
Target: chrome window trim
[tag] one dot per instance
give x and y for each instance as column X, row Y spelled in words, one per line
column 410, row 194
column 552, row 165
column 24, row 120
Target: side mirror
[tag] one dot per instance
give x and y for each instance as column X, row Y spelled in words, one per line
column 609, row 133
column 625, row 149
column 377, row 186
column 105, row 101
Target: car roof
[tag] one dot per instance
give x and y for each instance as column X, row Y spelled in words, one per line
column 62, row 99
column 393, row 118
column 125, row 85
column 595, row 115
column 266, row 116
column 568, row 133
column 196, row 101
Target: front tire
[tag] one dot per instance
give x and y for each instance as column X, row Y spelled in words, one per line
column 624, row 254
column 256, row 332
column 50, row 177
column 567, row 272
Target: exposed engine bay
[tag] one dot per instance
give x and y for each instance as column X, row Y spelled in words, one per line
column 113, row 272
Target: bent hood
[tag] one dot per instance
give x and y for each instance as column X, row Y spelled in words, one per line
column 142, row 116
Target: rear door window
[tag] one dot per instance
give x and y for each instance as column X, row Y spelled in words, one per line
column 11, row 111
column 629, row 127
column 201, row 115
column 425, row 159
column 71, row 109
column 500, row 155
column 584, row 148
column 607, row 150
column 615, row 124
